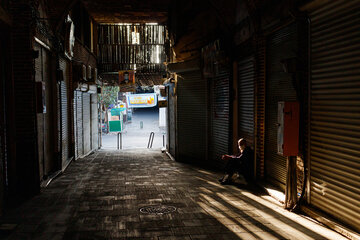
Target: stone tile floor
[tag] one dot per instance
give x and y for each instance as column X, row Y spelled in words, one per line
column 99, row 197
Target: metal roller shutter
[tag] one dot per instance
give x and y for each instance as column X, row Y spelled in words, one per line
column 191, row 117
column 335, row 111
column 86, row 123
column 75, row 125
column 94, row 122
column 219, row 120
column 279, row 87
column 64, row 123
column 246, row 80
column 79, row 124
column 172, row 119
column 64, row 110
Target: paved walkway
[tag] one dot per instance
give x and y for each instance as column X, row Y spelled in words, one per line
column 99, row 197
column 136, row 137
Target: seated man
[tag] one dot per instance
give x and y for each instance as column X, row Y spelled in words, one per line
column 242, row 163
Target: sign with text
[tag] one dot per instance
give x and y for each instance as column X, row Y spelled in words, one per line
column 142, row 100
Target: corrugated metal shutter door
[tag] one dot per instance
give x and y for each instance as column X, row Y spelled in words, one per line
column 172, row 119
column 64, row 110
column 191, row 116
column 281, row 45
column 335, row 111
column 219, row 120
column 64, row 123
column 75, row 125
column 94, row 122
column 86, row 122
column 246, row 80
column 79, row 124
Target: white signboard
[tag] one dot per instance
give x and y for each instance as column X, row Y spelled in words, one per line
column 142, row 100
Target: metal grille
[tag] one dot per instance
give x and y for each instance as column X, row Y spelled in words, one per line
column 159, row 209
column 79, row 124
column 191, row 117
column 94, row 122
column 279, row 87
column 86, row 122
column 335, row 111
column 220, row 108
column 246, row 77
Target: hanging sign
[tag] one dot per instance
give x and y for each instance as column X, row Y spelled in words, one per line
column 142, row 100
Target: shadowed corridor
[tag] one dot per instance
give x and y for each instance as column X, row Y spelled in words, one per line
column 99, row 197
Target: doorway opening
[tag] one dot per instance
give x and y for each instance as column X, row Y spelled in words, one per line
column 134, row 120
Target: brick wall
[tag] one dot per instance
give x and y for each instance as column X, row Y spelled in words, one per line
column 83, row 55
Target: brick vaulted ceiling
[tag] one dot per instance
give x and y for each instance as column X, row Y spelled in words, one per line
column 128, row 11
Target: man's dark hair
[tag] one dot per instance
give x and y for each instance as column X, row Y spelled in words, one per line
column 242, row 141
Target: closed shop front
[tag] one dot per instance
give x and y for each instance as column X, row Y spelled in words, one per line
column 246, row 100
column 75, row 125
column 86, row 123
column 171, row 119
column 64, row 112
column 79, row 143
column 94, row 122
column 281, row 45
column 335, row 110
column 191, row 116
column 219, row 119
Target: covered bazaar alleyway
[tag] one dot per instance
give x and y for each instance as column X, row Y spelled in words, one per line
column 100, row 197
